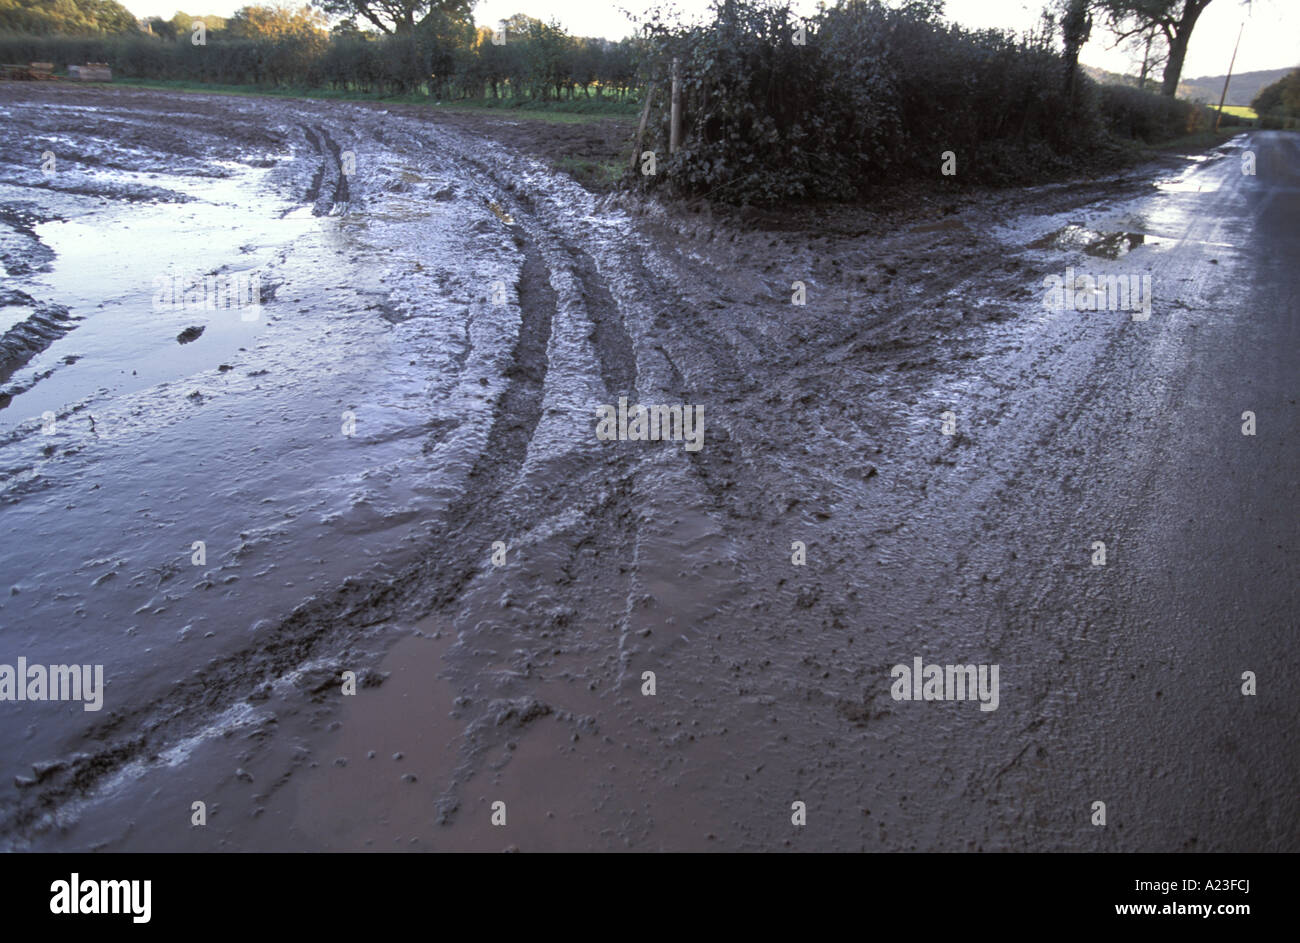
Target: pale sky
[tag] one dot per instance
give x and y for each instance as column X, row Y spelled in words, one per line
column 1268, row 42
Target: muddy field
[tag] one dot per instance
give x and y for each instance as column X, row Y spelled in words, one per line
column 394, row 470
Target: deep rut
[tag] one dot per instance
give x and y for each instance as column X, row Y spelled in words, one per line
column 332, row 173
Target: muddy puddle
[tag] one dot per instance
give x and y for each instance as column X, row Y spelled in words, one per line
column 137, row 279
column 1102, row 245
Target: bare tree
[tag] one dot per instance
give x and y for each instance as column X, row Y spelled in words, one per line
column 1173, row 19
column 1154, row 51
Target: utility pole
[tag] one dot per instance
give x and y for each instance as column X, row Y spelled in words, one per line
column 1228, row 78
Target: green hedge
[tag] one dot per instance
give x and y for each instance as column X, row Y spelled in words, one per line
column 875, row 95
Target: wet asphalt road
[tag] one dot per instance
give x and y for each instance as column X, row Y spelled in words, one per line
column 1200, row 583
column 1212, row 547
column 825, row 424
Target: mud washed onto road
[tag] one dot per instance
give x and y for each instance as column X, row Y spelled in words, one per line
column 389, row 466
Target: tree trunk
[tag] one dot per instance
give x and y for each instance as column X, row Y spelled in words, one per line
column 1146, row 60
column 1178, row 46
column 1076, row 26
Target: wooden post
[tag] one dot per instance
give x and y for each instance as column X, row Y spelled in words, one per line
column 640, row 131
column 675, row 129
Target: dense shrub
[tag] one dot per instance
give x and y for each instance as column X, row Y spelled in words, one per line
column 875, row 94
column 1142, row 116
column 1278, row 105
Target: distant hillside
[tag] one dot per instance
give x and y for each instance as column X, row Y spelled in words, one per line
column 1244, row 87
column 1104, row 77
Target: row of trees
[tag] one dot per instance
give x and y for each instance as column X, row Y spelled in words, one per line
column 65, row 17
column 392, row 47
column 251, row 22
column 451, row 59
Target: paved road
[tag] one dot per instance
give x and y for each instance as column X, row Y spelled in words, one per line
column 1208, row 549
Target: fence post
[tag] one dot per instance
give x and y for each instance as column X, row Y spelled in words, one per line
column 675, row 130
column 640, row 131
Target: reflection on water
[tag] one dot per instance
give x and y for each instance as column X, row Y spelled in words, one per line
column 1104, row 245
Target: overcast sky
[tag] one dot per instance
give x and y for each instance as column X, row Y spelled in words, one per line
column 1269, row 40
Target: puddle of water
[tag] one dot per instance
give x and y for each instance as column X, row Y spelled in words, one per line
column 1104, row 245
column 14, row 314
column 1201, row 184
column 108, row 269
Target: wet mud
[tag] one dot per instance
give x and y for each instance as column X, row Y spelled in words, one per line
column 394, row 471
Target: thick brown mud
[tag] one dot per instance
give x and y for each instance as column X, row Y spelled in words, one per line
column 915, row 458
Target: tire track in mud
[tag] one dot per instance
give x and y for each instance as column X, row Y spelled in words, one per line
column 482, row 510
column 610, row 337
column 600, row 548
column 609, row 334
column 639, row 541
column 708, row 464
column 313, row 189
column 361, row 607
column 596, row 560
column 686, row 327
column 18, row 345
column 325, row 147
column 342, row 188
